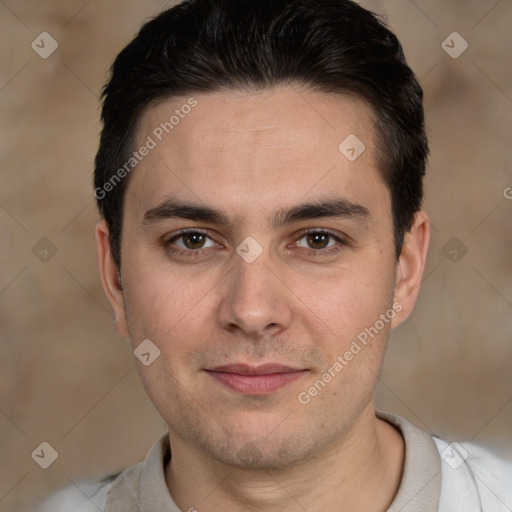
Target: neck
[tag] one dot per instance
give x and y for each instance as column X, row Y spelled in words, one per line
column 362, row 471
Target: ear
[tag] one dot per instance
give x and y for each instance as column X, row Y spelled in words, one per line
column 110, row 278
column 410, row 266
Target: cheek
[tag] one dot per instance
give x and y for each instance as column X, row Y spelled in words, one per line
column 153, row 308
column 346, row 301
column 165, row 303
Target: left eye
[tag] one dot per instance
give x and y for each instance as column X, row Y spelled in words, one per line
column 318, row 240
column 192, row 240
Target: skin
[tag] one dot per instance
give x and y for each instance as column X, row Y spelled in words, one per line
column 251, row 155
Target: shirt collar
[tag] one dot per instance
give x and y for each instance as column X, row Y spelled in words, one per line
column 420, row 487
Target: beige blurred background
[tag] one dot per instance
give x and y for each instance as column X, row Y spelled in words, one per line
column 65, row 376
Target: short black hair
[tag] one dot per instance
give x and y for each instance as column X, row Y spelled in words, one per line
column 333, row 46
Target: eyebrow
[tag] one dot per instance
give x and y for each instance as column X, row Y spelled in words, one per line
column 333, row 208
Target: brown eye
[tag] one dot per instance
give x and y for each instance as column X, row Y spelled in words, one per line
column 319, row 240
column 193, row 240
column 190, row 241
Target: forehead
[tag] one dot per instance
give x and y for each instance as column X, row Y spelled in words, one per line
column 256, row 148
column 260, row 119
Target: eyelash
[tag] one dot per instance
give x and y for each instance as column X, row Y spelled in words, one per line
column 311, row 252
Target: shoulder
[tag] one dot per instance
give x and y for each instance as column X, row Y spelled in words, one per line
column 474, row 475
column 82, row 497
column 116, row 492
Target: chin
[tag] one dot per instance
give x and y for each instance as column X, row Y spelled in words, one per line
column 261, row 451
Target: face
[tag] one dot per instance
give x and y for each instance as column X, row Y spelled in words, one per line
column 255, row 257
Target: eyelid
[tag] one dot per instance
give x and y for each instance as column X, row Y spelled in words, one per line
column 185, row 231
column 339, row 237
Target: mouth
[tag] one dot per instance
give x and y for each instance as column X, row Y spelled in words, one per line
column 256, row 380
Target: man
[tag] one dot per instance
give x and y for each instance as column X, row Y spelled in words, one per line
column 259, row 177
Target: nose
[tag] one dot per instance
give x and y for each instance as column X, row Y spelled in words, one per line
column 255, row 300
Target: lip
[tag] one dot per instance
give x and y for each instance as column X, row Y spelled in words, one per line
column 255, row 380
